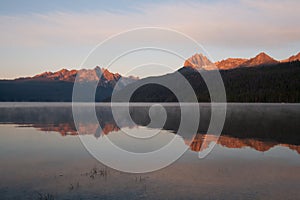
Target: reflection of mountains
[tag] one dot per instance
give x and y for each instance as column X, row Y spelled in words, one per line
column 270, row 125
column 195, row 145
column 69, row 128
column 232, row 142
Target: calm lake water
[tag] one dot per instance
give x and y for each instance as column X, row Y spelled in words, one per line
column 257, row 155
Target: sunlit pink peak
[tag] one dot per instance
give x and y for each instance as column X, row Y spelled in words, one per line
column 260, row 59
column 292, row 58
column 199, row 61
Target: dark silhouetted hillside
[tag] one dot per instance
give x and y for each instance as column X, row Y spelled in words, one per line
column 272, row 83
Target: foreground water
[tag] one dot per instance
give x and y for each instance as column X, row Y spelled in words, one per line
column 256, row 157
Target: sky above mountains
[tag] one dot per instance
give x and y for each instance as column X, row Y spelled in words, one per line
column 38, row 36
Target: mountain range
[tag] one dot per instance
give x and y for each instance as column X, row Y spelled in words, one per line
column 104, row 77
column 197, row 61
column 200, row 61
column 58, row 86
column 258, row 79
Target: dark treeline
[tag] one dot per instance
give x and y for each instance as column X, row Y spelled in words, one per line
column 45, row 91
column 276, row 83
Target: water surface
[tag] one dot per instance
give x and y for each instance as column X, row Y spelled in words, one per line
column 256, row 157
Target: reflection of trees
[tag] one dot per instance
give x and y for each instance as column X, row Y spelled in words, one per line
column 269, row 124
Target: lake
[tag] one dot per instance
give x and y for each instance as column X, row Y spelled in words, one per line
column 43, row 156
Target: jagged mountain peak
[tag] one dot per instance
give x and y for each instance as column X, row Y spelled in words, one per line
column 62, row 74
column 69, row 75
column 263, row 56
column 102, row 75
column 199, row 61
column 63, row 70
column 260, row 59
column 230, row 63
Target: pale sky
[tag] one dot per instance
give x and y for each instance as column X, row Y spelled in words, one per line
column 38, row 36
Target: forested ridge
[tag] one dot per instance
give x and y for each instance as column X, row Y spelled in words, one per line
column 272, row 83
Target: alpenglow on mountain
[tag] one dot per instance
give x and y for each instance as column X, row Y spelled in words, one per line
column 261, row 59
column 58, row 86
column 105, row 77
column 199, row 62
column 293, row 58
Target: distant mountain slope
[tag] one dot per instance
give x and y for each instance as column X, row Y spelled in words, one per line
column 292, row 58
column 61, row 75
column 230, row 63
column 58, row 86
column 105, row 77
column 258, row 60
column 201, row 62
